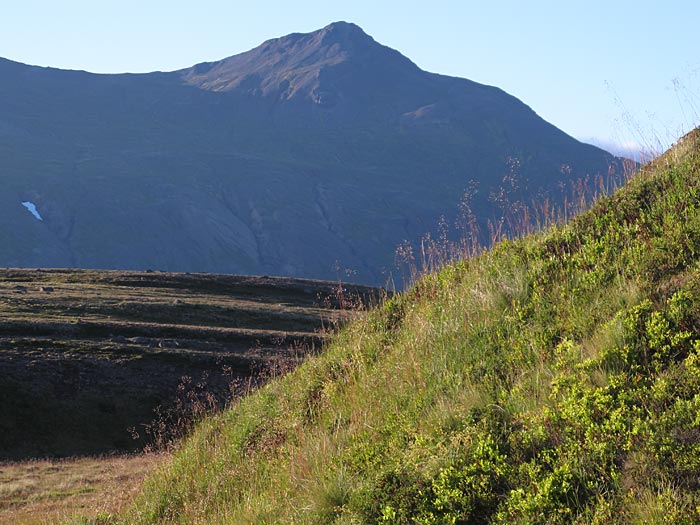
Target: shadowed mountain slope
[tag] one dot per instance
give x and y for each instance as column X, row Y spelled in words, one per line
column 310, row 152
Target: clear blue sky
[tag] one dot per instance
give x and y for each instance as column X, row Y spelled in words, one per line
column 614, row 71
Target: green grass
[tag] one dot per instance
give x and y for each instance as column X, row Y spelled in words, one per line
column 552, row 379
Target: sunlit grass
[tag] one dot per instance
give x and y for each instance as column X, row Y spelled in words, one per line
column 550, row 379
column 52, row 491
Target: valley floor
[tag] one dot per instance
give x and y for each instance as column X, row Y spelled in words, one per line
column 51, row 491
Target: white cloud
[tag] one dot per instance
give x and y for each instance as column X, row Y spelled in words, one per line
column 625, row 148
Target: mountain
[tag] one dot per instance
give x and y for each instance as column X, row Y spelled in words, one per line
column 552, row 379
column 308, row 154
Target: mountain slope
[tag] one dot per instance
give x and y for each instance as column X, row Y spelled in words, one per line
column 310, row 152
column 552, row 379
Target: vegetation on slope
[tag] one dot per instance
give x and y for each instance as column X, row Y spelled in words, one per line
column 552, row 379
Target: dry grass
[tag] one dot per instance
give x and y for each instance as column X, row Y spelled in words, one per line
column 52, row 491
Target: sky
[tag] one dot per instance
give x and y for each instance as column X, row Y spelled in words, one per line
column 622, row 74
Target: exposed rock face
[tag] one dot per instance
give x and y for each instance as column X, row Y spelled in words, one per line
column 310, row 152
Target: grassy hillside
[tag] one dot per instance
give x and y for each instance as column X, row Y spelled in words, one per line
column 553, row 379
column 84, row 355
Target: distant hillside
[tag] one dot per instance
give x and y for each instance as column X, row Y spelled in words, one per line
column 86, row 355
column 311, row 154
column 553, row 379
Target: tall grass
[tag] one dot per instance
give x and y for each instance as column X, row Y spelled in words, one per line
column 550, row 379
column 468, row 236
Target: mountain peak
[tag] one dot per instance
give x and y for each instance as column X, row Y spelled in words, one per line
column 290, row 66
column 342, row 25
column 345, row 35
column 343, row 32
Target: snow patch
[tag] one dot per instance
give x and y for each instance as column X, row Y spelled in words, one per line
column 32, row 209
